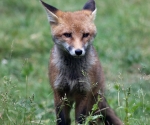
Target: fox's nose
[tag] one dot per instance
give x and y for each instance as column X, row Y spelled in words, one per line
column 78, row 52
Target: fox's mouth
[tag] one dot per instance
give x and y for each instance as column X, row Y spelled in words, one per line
column 74, row 55
column 78, row 56
column 77, row 53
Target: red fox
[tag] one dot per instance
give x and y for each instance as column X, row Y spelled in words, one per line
column 75, row 72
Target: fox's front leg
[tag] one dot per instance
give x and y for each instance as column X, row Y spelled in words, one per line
column 80, row 108
column 62, row 107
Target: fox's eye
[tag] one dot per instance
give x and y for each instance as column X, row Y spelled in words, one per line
column 85, row 35
column 68, row 35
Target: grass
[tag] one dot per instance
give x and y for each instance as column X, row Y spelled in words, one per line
column 122, row 44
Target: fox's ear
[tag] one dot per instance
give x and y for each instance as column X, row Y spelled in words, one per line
column 94, row 14
column 90, row 5
column 50, row 12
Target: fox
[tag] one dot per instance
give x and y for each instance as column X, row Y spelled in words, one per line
column 75, row 72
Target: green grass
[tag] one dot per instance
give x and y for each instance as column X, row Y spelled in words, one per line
column 122, row 44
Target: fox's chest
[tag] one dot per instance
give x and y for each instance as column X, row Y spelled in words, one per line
column 72, row 72
column 72, row 77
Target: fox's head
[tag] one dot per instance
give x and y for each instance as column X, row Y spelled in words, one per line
column 73, row 31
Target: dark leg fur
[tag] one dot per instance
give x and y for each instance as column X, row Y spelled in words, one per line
column 81, row 118
column 63, row 108
column 63, row 114
column 61, row 119
column 81, row 109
